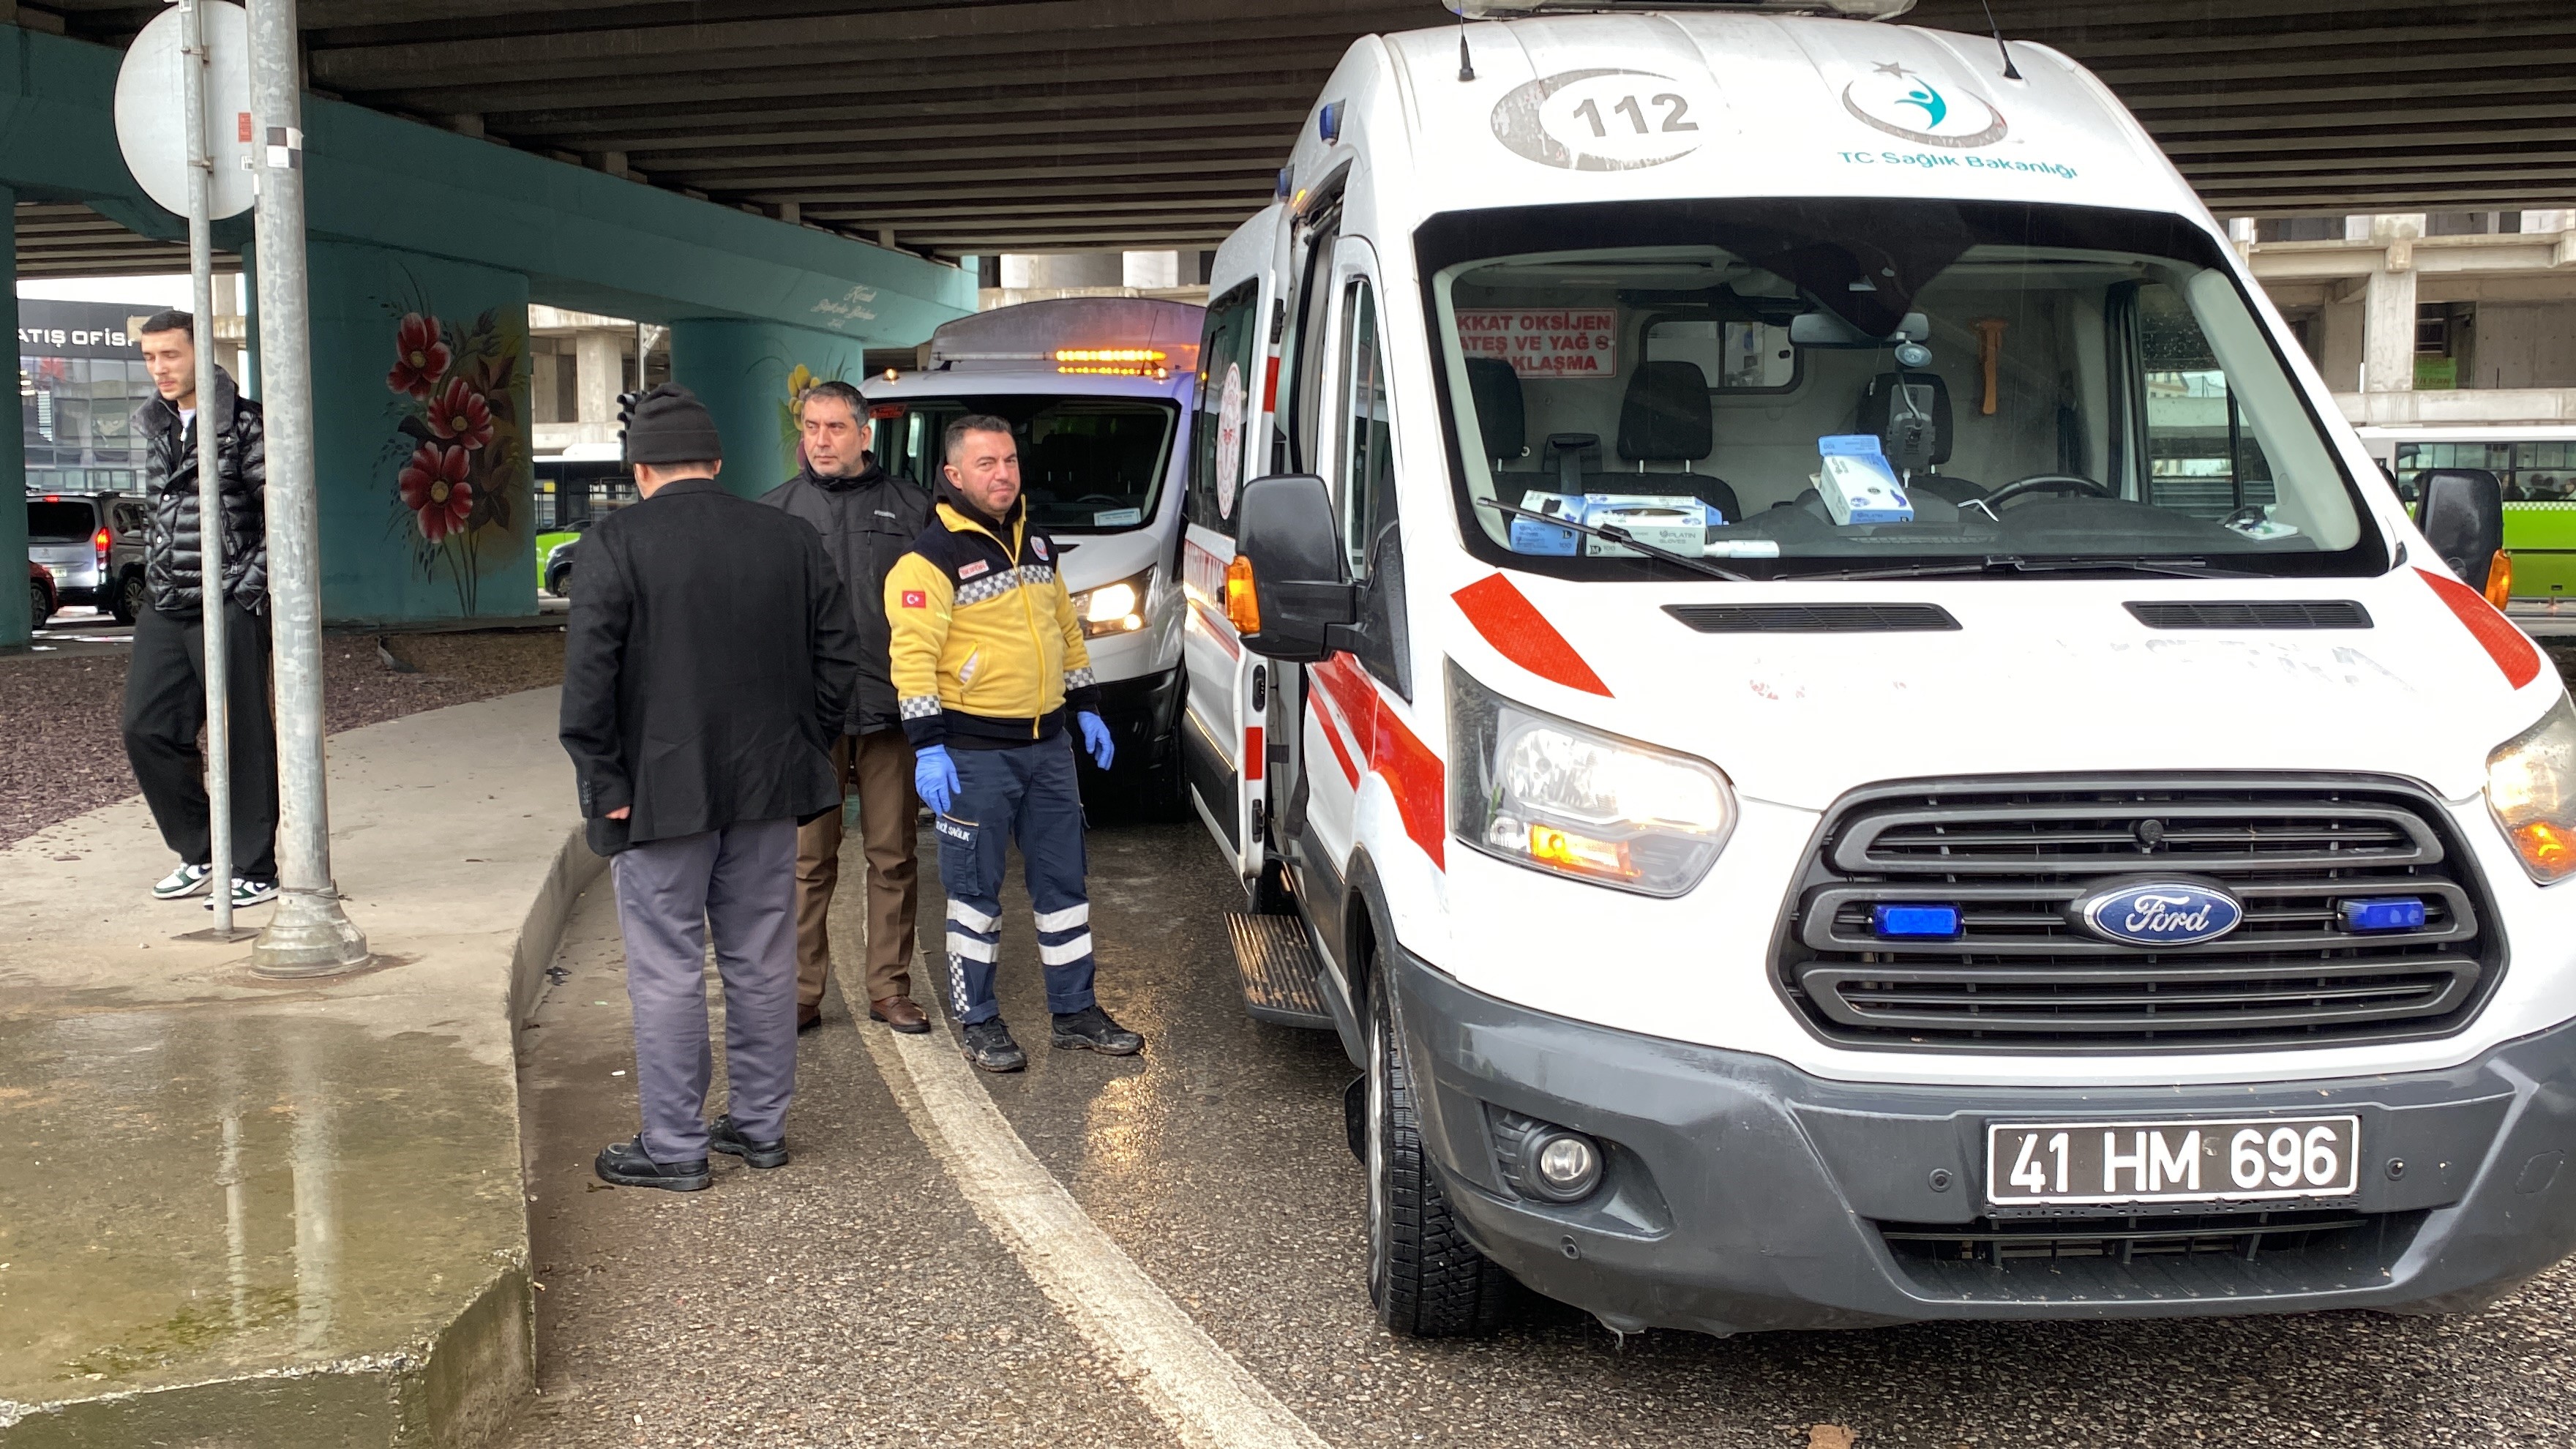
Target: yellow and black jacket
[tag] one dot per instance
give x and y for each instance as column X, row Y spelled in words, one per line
column 986, row 650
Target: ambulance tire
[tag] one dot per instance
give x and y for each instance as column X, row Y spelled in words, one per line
column 1426, row 1280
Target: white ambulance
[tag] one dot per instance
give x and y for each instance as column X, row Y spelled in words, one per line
column 1795, row 659
column 1099, row 392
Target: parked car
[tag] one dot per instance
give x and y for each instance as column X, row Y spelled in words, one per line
column 556, row 574
column 93, row 544
column 40, row 594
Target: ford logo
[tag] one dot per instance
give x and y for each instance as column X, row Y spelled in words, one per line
column 2159, row 912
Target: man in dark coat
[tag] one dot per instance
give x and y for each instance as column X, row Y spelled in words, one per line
column 867, row 520
column 165, row 685
column 707, row 670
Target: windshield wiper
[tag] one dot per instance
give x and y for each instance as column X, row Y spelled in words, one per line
column 1623, row 538
column 2007, row 563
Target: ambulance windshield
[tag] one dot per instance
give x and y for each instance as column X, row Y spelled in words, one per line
column 1841, row 386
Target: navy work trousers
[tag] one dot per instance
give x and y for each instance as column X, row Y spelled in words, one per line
column 1025, row 793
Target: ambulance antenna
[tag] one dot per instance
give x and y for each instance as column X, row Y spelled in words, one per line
column 1991, row 27
column 1466, row 62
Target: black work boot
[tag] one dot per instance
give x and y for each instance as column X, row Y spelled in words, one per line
column 989, row 1045
column 627, row 1164
column 723, row 1136
column 1091, row 1030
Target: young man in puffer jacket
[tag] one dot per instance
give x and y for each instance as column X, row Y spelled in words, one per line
column 988, row 660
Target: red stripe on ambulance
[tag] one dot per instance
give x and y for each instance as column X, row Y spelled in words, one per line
column 1521, row 634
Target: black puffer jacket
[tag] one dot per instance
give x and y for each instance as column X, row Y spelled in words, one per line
column 173, row 564
column 867, row 522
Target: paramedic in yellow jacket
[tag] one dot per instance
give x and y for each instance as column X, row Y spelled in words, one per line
column 988, row 658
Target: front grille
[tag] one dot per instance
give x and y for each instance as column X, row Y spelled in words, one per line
column 2205, row 1255
column 2022, row 975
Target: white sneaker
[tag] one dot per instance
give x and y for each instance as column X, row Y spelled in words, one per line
column 182, row 883
column 247, row 893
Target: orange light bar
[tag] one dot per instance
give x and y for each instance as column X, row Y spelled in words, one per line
column 1242, row 610
column 1130, row 355
column 1137, row 370
column 2500, row 579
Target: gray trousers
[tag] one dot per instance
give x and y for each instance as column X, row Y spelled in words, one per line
column 741, row 880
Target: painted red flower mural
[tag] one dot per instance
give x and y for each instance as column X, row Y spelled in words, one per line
column 420, row 356
column 460, row 415
column 435, row 489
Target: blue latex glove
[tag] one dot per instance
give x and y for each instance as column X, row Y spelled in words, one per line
column 1095, row 738
column 934, row 777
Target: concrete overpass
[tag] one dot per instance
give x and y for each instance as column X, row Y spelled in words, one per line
column 1032, row 125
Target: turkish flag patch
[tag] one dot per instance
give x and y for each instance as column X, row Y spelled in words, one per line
column 915, row 599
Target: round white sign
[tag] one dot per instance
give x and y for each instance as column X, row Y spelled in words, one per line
column 152, row 125
column 1605, row 120
column 1229, row 438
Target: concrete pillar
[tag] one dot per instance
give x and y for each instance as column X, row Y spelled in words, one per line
column 545, row 386
column 1152, row 269
column 1064, row 269
column 747, row 373
column 2388, row 324
column 599, row 370
column 15, row 630
column 381, row 406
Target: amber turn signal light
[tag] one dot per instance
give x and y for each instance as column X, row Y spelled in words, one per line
column 1242, row 610
column 2500, row 579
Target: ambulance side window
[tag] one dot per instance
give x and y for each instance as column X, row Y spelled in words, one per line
column 1228, row 394
column 1366, row 481
column 1308, row 401
column 1364, row 489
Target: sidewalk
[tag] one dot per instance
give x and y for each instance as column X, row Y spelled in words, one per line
column 285, row 1214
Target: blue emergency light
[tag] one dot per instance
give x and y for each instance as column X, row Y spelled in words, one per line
column 1328, row 122
column 1916, row 921
column 2384, row 913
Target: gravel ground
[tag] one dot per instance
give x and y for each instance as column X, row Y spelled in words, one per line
column 67, row 756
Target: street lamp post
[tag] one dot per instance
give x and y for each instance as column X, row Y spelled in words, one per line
column 308, row 934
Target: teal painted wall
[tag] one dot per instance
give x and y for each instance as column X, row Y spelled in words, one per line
column 404, row 214
column 14, row 631
column 748, row 374
column 420, row 400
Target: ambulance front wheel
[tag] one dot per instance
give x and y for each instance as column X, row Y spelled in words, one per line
column 1424, row 1277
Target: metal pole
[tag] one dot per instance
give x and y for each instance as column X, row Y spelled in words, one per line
column 308, row 934
column 210, row 485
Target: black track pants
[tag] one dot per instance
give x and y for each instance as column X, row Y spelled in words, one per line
column 165, row 704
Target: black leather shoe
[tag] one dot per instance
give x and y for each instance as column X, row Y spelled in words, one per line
column 1091, row 1030
column 627, row 1164
column 725, row 1137
column 989, row 1046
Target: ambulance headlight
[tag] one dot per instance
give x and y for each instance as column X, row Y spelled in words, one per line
column 1557, row 796
column 2531, row 792
column 1117, row 608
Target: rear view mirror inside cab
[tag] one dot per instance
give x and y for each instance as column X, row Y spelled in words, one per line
column 1824, row 329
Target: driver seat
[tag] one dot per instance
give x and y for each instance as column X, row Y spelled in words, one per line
column 1666, row 418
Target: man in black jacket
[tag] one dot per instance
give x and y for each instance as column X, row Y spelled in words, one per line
column 165, row 686
column 867, row 520
column 707, row 669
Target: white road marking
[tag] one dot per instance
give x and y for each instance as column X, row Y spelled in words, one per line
column 1200, row 1392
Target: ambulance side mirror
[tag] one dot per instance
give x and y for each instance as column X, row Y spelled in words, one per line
column 2463, row 518
column 1302, row 595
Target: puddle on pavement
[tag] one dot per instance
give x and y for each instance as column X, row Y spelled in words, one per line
column 213, row 1188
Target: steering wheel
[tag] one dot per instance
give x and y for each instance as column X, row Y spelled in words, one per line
column 2045, row 483
column 1096, row 498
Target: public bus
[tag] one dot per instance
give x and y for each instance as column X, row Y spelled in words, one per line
column 2537, row 468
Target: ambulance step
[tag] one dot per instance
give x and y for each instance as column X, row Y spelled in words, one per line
column 1278, row 968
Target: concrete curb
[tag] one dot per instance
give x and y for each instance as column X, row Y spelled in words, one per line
column 455, row 1387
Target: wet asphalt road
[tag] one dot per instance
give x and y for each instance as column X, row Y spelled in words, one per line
column 854, row 1298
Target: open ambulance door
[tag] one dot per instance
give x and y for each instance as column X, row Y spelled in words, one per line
column 1224, row 758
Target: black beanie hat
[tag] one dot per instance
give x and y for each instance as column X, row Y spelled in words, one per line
column 670, row 425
